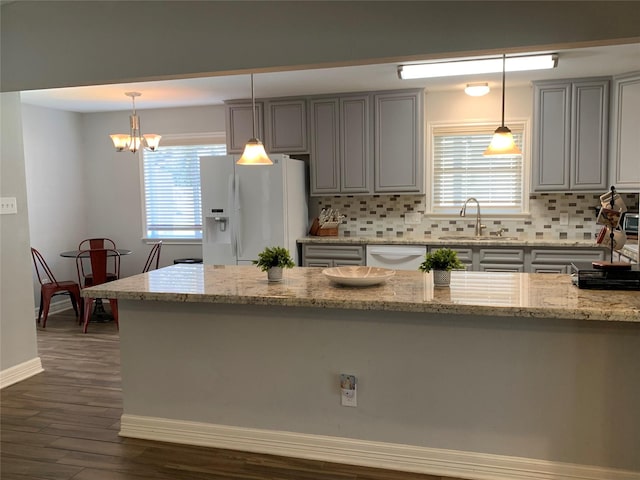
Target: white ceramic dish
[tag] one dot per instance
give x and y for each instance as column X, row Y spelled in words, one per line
column 358, row 276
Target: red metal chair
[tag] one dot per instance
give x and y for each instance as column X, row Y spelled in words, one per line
column 98, row 260
column 154, row 257
column 50, row 287
column 92, row 243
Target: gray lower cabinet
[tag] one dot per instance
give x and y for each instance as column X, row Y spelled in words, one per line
column 558, row 260
column 322, row 255
column 570, row 134
column 340, row 145
column 399, row 142
column 501, row 260
column 624, row 158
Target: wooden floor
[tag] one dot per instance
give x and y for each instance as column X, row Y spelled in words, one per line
column 64, row 422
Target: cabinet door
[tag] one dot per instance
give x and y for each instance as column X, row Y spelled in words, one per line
column 324, row 160
column 399, row 142
column 625, row 133
column 589, row 133
column 355, row 126
column 316, row 262
column 239, row 121
column 286, row 126
column 549, row 269
column 551, row 137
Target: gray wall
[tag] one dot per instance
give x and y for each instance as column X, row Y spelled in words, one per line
column 54, row 164
column 554, row 390
column 18, row 334
column 56, row 43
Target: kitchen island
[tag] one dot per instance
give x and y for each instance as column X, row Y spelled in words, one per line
column 502, row 375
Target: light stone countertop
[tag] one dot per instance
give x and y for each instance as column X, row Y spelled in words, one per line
column 470, row 293
column 492, row 241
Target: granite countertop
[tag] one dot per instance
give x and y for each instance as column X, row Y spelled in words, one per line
column 448, row 240
column 470, row 293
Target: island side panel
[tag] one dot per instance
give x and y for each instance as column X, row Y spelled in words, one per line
column 554, row 390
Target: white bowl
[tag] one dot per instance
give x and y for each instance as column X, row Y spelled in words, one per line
column 358, row 276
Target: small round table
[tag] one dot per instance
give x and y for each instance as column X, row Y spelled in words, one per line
column 99, row 313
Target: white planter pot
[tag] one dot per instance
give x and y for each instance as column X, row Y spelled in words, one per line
column 274, row 274
column 441, row 278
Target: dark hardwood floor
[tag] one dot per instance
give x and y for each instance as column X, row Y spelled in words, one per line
column 63, row 424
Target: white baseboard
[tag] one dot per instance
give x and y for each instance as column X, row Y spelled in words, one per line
column 59, row 306
column 471, row 465
column 20, row 372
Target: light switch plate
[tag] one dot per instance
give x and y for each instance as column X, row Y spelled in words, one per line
column 564, row 218
column 8, row 205
column 412, row 218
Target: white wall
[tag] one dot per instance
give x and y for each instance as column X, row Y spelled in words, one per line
column 17, row 326
column 114, row 199
column 56, row 189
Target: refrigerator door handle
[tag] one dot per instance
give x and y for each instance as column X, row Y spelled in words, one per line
column 231, row 207
column 238, row 206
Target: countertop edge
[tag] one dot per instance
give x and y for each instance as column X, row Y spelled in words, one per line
column 632, row 316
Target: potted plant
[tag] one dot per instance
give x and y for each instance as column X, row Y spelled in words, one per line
column 441, row 261
column 272, row 260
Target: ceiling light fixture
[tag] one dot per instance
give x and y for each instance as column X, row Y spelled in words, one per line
column 471, row 67
column 135, row 138
column 502, row 142
column 476, row 89
column 254, row 153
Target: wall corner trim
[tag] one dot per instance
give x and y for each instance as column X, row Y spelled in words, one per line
column 472, row 465
column 20, row 372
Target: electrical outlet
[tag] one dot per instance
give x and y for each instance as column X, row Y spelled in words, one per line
column 564, row 218
column 412, row 218
column 8, row 205
column 348, row 390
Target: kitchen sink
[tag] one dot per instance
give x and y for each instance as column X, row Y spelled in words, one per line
column 493, row 238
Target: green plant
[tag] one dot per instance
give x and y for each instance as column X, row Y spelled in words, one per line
column 441, row 259
column 274, row 257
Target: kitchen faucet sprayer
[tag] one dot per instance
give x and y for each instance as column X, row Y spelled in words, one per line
column 463, row 212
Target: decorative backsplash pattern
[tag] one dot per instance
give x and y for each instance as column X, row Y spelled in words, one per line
column 383, row 215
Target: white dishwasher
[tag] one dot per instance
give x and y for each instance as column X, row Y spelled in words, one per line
column 396, row 257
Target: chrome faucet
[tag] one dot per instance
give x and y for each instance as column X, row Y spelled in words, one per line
column 463, row 213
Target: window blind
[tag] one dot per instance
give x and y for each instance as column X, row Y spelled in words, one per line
column 461, row 171
column 172, row 198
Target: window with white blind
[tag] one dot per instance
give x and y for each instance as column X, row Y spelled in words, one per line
column 171, row 186
column 459, row 170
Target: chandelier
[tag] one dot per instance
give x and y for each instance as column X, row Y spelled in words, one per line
column 135, row 139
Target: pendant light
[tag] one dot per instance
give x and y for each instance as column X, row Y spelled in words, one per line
column 135, row 139
column 254, row 153
column 502, row 142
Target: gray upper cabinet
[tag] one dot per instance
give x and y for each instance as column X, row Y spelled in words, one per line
column 286, row 126
column 570, row 135
column 239, row 123
column 340, row 145
column 281, row 125
column 399, row 142
column 325, row 147
column 624, row 159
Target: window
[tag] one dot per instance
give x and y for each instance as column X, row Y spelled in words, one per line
column 459, row 170
column 171, row 179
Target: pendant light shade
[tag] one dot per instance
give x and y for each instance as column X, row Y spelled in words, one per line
column 135, row 139
column 254, row 153
column 502, row 142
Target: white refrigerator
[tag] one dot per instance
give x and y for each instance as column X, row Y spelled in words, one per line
column 246, row 208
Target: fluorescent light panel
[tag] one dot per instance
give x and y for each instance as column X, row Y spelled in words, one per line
column 470, row 67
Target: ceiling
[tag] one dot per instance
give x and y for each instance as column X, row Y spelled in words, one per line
column 573, row 63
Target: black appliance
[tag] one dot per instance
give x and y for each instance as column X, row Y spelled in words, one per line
column 584, row 275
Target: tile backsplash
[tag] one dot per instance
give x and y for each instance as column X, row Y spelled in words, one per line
column 383, row 215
